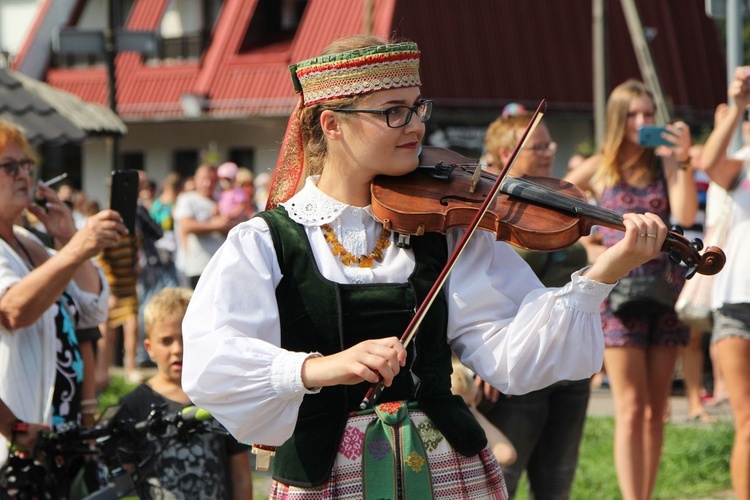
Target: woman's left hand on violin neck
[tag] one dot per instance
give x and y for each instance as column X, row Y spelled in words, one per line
column 643, row 240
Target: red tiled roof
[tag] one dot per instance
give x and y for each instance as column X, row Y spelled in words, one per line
column 259, row 82
column 477, row 54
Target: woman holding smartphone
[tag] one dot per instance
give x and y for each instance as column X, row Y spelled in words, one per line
column 45, row 295
column 640, row 350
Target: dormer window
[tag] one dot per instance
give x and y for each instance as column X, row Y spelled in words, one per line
column 273, row 22
column 185, row 29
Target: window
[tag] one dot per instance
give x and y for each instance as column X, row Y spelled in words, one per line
column 185, row 162
column 186, row 28
column 243, row 157
column 274, row 21
column 134, row 160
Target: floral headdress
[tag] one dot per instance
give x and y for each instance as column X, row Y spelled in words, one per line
column 333, row 76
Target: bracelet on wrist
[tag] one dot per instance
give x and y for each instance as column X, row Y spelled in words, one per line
column 89, row 411
column 89, row 402
column 19, row 427
column 685, row 165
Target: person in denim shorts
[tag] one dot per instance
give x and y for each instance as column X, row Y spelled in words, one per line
column 731, row 287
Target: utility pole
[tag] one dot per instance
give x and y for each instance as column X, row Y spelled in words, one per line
column 645, row 60
column 599, row 45
column 734, row 12
column 110, row 52
column 368, row 7
column 735, row 58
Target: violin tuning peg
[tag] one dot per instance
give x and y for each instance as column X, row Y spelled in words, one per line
column 675, row 256
column 698, row 244
column 677, row 229
column 691, row 272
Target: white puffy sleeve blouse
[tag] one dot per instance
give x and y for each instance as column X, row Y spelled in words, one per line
column 503, row 323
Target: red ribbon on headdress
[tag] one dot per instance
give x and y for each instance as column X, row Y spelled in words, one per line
column 290, row 165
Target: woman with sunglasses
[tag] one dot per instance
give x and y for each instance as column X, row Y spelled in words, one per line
column 300, row 311
column 46, row 294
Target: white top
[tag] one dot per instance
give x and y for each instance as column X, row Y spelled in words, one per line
column 502, row 323
column 28, row 356
column 731, row 285
column 193, row 258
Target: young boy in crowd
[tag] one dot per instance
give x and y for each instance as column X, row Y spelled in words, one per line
column 208, row 465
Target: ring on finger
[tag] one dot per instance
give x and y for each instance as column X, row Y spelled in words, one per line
column 642, row 235
column 651, row 235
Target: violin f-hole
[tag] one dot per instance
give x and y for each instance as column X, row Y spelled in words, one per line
column 445, row 200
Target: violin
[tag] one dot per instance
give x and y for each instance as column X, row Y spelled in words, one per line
column 534, row 213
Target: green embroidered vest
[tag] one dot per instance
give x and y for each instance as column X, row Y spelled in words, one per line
column 319, row 315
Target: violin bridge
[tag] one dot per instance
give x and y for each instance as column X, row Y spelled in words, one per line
column 475, row 178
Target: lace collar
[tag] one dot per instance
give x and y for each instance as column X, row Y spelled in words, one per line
column 312, row 207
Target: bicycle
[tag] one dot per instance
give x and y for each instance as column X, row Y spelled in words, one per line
column 74, row 463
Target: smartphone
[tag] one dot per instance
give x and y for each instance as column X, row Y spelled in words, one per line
column 649, row 136
column 123, row 196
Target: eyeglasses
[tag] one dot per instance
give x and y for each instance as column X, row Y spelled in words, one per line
column 541, row 149
column 12, row 166
column 397, row 116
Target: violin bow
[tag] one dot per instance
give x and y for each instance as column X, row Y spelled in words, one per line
column 374, row 392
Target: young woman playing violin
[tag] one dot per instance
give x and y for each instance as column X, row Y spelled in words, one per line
column 300, row 311
column 640, row 350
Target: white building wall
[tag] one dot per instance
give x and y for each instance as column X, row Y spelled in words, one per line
column 158, row 141
column 97, row 158
column 16, row 18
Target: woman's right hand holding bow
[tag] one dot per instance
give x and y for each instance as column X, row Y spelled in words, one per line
column 367, row 361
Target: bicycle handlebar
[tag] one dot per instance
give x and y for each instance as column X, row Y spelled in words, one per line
column 157, row 422
column 69, row 440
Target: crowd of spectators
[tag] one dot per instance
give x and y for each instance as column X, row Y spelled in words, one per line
column 182, row 222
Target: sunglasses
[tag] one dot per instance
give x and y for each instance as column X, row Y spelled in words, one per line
column 13, row 166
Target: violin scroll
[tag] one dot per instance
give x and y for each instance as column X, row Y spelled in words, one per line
column 712, row 261
column 680, row 249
